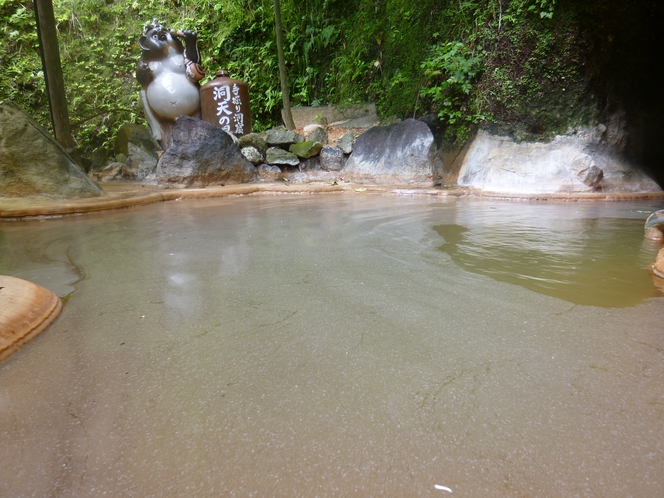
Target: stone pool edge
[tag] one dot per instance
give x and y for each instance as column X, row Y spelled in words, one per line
column 124, row 195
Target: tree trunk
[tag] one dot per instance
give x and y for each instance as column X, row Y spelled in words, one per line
column 287, row 115
column 55, row 84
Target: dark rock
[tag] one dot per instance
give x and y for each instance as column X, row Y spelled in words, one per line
column 253, row 140
column 655, row 226
column 437, row 127
column 282, row 138
column 276, row 155
column 319, row 135
column 591, row 175
column 306, row 149
column 114, row 172
column 253, row 155
column 98, row 158
column 332, row 158
column 140, row 148
column 269, row 172
column 85, row 163
column 137, row 135
column 140, row 162
column 402, row 151
column 202, row 153
column 310, row 164
column 346, row 142
column 33, row 164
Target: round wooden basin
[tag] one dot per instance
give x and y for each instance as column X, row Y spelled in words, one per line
column 658, row 267
column 26, row 309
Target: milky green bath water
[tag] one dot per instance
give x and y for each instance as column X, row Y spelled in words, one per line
column 338, row 345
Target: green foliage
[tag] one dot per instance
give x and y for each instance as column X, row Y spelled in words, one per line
column 21, row 77
column 518, row 65
column 452, row 69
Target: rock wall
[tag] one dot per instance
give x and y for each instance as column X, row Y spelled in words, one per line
column 569, row 163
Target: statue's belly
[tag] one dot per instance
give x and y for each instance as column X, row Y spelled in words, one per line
column 172, row 95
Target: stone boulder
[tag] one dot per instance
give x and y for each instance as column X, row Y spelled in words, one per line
column 348, row 115
column 305, row 150
column 33, row 164
column 277, row 155
column 254, row 140
column 310, row 164
column 277, row 137
column 269, row 172
column 655, row 226
column 569, row 163
column 346, row 142
column 202, row 153
column 331, row 158
column 400, row 152
column 319, row 135
column 113, row 172
column 141, row 149
column 253, row 155
column 131, row 133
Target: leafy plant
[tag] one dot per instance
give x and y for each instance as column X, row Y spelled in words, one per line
column 452, row 68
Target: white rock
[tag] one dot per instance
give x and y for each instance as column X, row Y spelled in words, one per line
column 310, row 128
column 566, row 164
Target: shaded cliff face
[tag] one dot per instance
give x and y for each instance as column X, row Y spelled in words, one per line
column 581, row 65
column 625, row 56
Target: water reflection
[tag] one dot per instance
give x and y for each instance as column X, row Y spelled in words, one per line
column 589, row 261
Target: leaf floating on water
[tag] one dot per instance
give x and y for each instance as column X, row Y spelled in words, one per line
column 362, row 189
column 442, row 488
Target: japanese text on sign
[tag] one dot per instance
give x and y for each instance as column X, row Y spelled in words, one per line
column 229, row 105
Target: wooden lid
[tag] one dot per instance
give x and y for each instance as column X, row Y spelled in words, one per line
column 26, row 309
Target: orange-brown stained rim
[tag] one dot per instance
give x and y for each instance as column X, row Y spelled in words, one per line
column 26, row 309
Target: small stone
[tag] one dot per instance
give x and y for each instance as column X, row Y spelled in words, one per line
column 253, row 155
column 113, row 172
column 253, row 140
column 332, row 158
column 591, row 176
column 311, row 164
column 138, row 135
column 140, row 161
column 282, row 138
column 319, row 135
column 346, row 142
column 276, row 155
column 585, row 170
column 306, row 149
column 269, row 172
column 310, row 128
column 121, row 158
